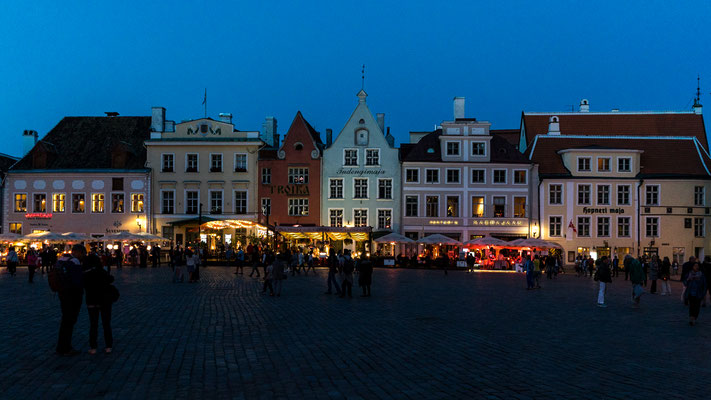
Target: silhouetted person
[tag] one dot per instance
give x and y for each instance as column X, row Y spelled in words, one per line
column 365, row 275
column 98, row 301
column 70, row 297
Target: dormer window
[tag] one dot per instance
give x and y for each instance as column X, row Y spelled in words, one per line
column 452, row 148
column 298, row 146
column 478, row 148
column 603, row 164
column 583, row 164
column 624, row 164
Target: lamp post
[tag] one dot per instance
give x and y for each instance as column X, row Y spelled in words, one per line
column 266, row 212
column 199, row 225
column 138, row 222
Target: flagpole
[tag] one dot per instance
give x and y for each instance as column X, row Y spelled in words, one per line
column 204, row 102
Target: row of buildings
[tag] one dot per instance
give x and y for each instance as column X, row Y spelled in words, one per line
column 595, row 182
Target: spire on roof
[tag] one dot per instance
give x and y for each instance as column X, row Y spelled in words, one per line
column 361, row 96
column 697, row 100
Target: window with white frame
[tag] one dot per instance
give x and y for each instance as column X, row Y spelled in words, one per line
column 240, row 162
column 519, row 207
column 97, row 202
column 215, row 202
column 452, row 206
column 584, row 226
column 16, row 228
column 360, row 217
column 335, row 188
column 603, row 194
column 478, row 176
column 385, row 218
column 603, row 226
column 117, row 202
column 372, row 157
column 40, row 203
column 266, row 176
column 699, row 196
column 520, row 176
column 191, row 162
column 603, row 164
column 499, row 176
column 192, row 201
column 412, row 175
column 432, row 206
column 298, row 176
column 583, row 194
column 58, row 202
column 20, row 202
column 699, row 228
column 452, row 148
column 499, row 207
column 360, row 188
column 240, row 201
column 623, row 226
column 623, row 195
column 477, row 206
column 216, row 162
column 350, row 157
column 78, row 203
column 624, row 164
column 266, row 206
column 168, row 162
column 167, row 202
column 478, row 148
column 385, row 189
column 298, row 207
column 583, row 164
column 452, row 176
column 651, row 195
column 652, row 226
column 411, row 206
column 555, row 193
column 555, row 225
column 335, row 217
column 137, row 202
column 432, row 176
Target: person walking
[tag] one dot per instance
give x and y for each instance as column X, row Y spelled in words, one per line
column 99, row 299
column 685, row 269
column 637, row 279
column 348, row 267
column 615, row 267
column 365, row 275
column 190, row 259
column 70, row 297
column 279, row 274
column 12, row 260
column 550, row 266
column 653, row 273
column 665, row 276
column 333, row 267
column 254, row 261
column 310, row 263
column 470, row 262
column 32, row 260
column 528, row 267
column 604, row 277
column 537, row 271
column 695, row 291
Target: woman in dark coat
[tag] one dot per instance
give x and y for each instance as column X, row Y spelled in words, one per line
column 98, row 301
column 365, row 275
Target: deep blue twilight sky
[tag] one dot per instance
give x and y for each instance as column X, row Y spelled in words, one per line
column 61, row 58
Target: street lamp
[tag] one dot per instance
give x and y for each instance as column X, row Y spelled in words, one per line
column 138, row 222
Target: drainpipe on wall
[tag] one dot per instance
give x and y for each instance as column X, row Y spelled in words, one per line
column 639, row 217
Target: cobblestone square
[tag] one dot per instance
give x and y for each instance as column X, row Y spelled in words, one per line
column 421, row 335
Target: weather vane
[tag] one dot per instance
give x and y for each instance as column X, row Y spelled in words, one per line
column 362, row 78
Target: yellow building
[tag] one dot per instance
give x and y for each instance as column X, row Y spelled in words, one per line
column 622, row 183
column 204, row 175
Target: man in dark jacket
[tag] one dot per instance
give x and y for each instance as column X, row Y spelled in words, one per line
column 637, row 278
column 333, row 266
column 97, row 283
column 604, row 277
column 70, row 298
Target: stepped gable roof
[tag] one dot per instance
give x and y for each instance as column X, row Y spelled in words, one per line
column 511, row 135
column 660, row 158
column 427, row 149
column 88, row 143
column 618, row 124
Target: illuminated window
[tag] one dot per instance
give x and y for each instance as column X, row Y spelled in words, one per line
column 137, row 202
column 519, row 207
column 117, row 202
column 58, row 202
column 385, row 219
column 40, row 202
column 360, row 217
column 336, row 217
column 477, row 206
column 20, row 202
column 97, row 202
column 520, row 176
column 298, row 176
column 16, row 228
column 603, row 165
column 499, row 207
column 452, row 206
column 78, row 203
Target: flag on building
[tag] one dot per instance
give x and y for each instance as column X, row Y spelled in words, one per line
column 571, row 226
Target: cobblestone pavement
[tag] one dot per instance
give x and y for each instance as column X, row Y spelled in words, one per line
column 421, row 335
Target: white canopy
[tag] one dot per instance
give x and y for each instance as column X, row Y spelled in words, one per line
column 150, row 237
column 539, row 244
column 10, row 237
column 77, row 237
column 394, row 237
column 122, row 236
column 42, row 236
column 487, row 241
column 439, row 239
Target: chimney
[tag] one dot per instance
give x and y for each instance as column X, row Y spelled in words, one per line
column 615, row 110
column 554, row 125
column 226, row 117
column 584, row 105
column 269, row 131
column 390, row 139
column 29, row 139
column 157, row 119
column 329, row 137
column 381, row 121
column 458, row 107
column 698, row 108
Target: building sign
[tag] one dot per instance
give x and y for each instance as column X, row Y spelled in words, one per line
column 360, row 172
column 496, row 222
column 604, row 210
column 108, row 230
column 439, row 222
column 301, row 190
column 38, row 216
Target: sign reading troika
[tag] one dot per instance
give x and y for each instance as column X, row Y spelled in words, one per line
column 604, row 210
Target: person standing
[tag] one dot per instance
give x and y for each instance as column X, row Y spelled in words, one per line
column 637, row 279
column 604, row 278
column 348, row 267
column 190, row 258
column 155, row 253
column 310, row 263
column 706, row 270
column 685, row 269
column 528, row 267
column 664, row 276
column 615, row 267
column 240, row 261
column 365, row 275
column 653, row 273
column 695, row 291
column 32, row 259
column 254, row 260
column 279, row 274
column 12, row 260
column 470, row 262
column 98, row 301
column 333, row 267
column 537, row 271
column 70, row 297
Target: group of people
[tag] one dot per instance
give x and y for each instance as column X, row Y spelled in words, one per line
column 341, row 267
column 185, row 263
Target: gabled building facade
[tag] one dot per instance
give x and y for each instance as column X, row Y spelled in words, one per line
column 361, row 174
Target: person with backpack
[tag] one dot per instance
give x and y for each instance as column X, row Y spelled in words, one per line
column 12, row 261
column 67, row 279
column 348, row 267
column 99, row 298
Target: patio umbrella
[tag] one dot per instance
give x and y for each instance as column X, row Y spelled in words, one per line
column 487, row 241
column 121, row 236
column 150, row 237
column 42, row 236
column 539, row 244
column 77, row 237
column 517, row 243
column 10, row 237
column 394, row 237
column 439, row 239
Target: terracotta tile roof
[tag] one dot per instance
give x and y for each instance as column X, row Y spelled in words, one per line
column 622, row 124
column 88, row 142
column 660, row 157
